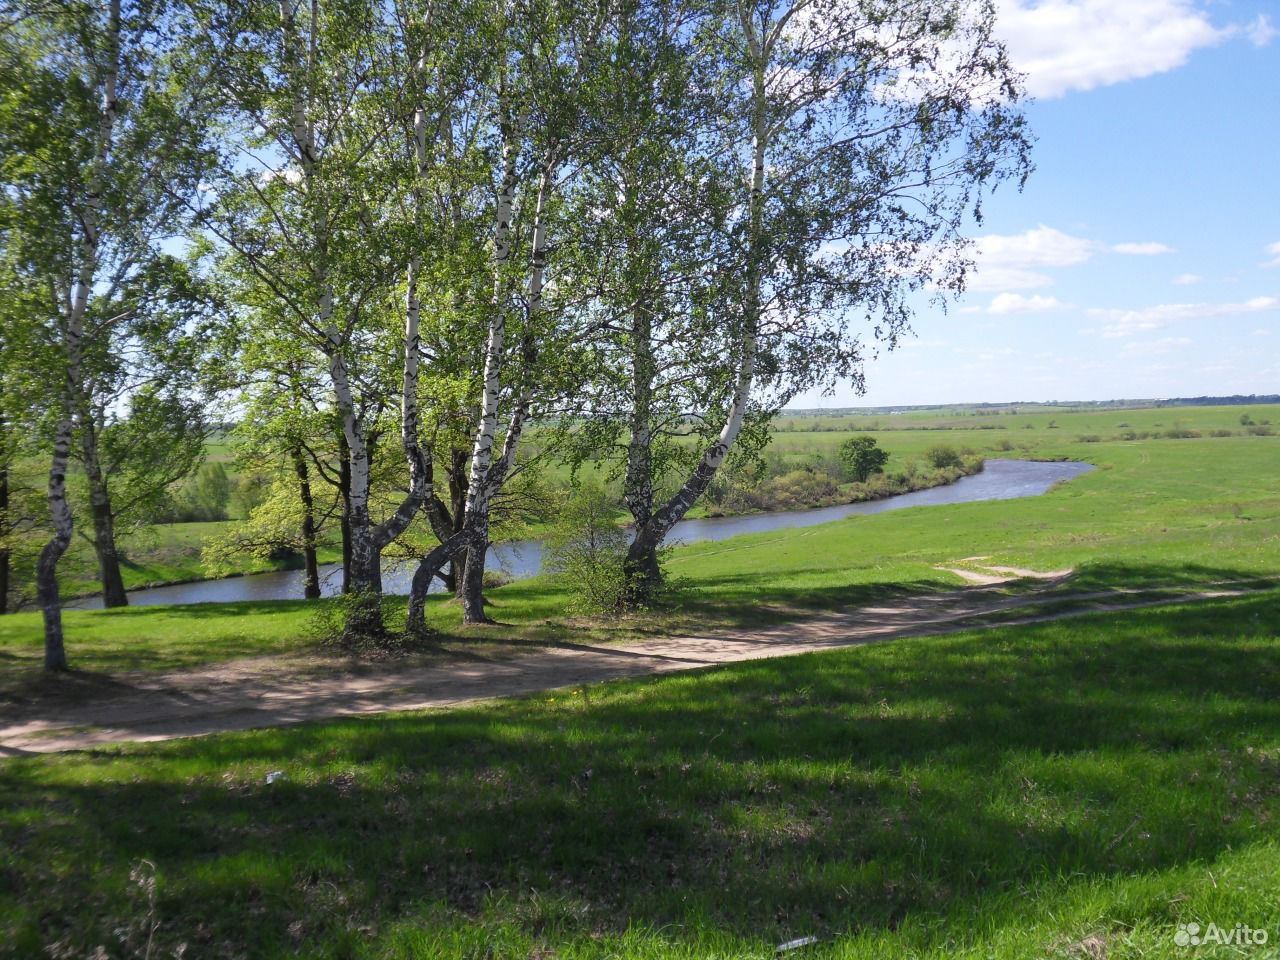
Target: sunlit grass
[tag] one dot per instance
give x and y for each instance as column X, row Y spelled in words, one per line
column 1010, row 793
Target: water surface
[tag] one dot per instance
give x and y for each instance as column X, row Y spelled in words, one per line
column 1000, row 480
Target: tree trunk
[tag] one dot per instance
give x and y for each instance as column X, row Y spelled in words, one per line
column 344, row 490
column 5, row 530
column 427, row 571
column 55, row 654
column 473, row 581
column 104, row 533
column 311, row 578
column 641, row 565
column 458, row 504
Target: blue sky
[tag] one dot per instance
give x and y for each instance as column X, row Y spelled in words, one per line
column 1143, row 257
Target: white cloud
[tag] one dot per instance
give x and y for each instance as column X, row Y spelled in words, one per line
column 1014, row 262
column 1187, row 279
column 1151, row 348
column 1142, row 249
column 1017, row 303
column 1260, row 32
column 1065, row 45
column 1128, row 323
column 1273, row 252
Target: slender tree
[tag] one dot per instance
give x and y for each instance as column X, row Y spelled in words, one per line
column 859, row 137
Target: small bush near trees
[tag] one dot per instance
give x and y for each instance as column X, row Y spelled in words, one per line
column 586, row 547
column 862, row 457
column 204, row 497
column 943, row 455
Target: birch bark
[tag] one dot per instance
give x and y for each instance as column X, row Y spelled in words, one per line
column 72, row 323
column 641, row 565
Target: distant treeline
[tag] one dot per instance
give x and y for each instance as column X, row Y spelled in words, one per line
column 1017, row 407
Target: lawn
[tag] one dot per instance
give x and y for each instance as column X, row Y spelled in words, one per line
column 1073, row 790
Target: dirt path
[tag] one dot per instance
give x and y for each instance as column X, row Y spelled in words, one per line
column 248, row 694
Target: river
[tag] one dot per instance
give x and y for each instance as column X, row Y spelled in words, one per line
column 1000, row 480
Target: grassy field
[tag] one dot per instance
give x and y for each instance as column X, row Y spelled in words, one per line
column 170, row 553
column 1071, row 790
column 1155, row 513
column 1074, row 790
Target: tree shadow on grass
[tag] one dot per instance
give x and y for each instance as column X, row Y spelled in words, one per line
column 822, row 794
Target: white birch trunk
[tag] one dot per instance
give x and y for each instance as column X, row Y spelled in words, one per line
column 494, row 476
column 73, row 336
column 642, row 563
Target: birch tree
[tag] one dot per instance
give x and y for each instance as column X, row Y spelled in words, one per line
column 545, row 57
column 861, row 136
column 301, row 204
column 103, row 131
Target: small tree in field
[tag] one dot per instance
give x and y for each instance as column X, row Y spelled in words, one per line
column 588, row 548
column 943, row 456
column 862, row 457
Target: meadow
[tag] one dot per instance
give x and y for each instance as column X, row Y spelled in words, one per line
column 1071, row 790
column 171, row 552
column 1074, row 789
column 1157, row 512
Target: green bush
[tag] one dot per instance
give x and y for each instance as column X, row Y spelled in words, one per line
column 943, row 455
column 587, row 548
column 204, row 497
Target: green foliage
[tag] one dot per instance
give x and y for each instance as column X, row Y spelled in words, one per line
column 272, row 528
column 943, row 456
column 202, row 498
column 586, row 547
column 862, row 457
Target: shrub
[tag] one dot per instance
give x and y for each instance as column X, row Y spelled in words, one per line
column 1260, row 430
column 942, row 456
column 204, row 497
column 862, row 457
column 587, row 548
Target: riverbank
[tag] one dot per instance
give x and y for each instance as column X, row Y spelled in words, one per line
column 511, row 547
column 519, row 559
column 1177, row 512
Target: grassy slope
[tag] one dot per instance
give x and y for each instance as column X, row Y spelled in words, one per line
column 998, row 795
column 1156, row 512
column 170, row 553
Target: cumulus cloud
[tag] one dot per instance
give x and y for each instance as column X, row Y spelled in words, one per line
column 1065, row 45
column 1128, row 323
column 1187, row 279
column 1273, row 252
column 1142, row 249
column 1017, row 303
column 1015, row 262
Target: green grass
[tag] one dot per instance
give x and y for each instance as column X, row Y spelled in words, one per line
column 1005, row 794
column 1156, row 513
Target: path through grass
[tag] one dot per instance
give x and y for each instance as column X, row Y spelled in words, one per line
column 1012, row 793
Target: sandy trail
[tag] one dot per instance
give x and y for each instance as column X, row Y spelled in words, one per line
column 269, row 692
